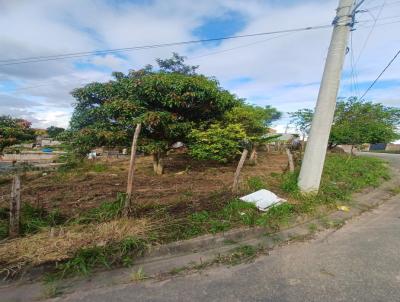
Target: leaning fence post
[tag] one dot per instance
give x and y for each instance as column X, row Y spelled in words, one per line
column 235, row 186
column 131, row 171
column 290, row 159
column 15, row 206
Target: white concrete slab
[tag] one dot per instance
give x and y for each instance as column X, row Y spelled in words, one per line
column 263, row 199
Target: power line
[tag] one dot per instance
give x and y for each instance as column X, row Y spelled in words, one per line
column 192, row 58
column 237, row 47
column 378, row 6
column 353, row 69
column 370, row 33
column 7, row 62
column 383, row 71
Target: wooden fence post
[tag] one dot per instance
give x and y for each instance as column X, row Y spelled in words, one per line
column 253, row 156
column 131, row 171
column 235, row 186
column 15, row 207
column 290, row 158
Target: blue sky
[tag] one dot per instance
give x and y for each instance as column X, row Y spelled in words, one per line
column 281, row 70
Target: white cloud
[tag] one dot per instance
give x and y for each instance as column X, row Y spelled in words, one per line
column 285, row 72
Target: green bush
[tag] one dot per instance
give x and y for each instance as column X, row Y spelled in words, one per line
column 222, row 144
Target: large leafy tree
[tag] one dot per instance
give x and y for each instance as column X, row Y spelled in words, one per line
column 357, row 122
column 302, row 119
column 14, row 131
column 169, row 102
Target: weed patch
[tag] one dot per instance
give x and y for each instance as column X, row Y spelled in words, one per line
column 86, row 259
column 34, row 219
column 105, row 212
column 255, row 183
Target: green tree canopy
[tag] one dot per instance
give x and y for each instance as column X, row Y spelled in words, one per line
column 14, row 131
column 356, row 122
column 218, row 143
column 302, row 119
column 169, row 102
column 54, row 131
column 255, row 120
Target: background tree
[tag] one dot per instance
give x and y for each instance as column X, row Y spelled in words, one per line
column 54, row 131
column 14, row 131
column 176, row 64
column 357, row 122
column 169, row 103
column 302, row 120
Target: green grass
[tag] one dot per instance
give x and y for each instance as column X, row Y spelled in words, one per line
column 86, row 259
column 255, row 183
column 243, row 253
column 105, row 212
column 78, row 164
column 341, row 177
column 33, row 219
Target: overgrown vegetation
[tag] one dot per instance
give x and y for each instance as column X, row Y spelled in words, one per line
column 14, row 131
column 33, row 219
column 118, row 253
column 105, row 212
column 219, row 213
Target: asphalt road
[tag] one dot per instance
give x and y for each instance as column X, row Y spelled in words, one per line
column 359, row 262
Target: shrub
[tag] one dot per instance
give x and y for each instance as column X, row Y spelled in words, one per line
column 222, row 144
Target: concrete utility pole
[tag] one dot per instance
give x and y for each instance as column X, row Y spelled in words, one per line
column 314, row 156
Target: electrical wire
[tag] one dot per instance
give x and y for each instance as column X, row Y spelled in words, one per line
column 238, row 47
column 6, row 62
column 387, row 4
column 379, row 76
column 354, row 77
column 370, row 33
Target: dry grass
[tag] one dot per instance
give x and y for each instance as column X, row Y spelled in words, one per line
column 59, row 244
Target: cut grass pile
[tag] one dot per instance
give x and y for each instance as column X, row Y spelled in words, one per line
column 99, row 238
column 79, row 242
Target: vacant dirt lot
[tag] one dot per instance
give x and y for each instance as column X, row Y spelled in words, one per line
column 184, row 180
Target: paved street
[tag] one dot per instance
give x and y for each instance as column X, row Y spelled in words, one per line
column 359, row 262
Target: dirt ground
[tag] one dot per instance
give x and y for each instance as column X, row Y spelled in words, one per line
column 184, row 179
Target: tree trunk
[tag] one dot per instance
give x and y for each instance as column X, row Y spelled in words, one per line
column 131, row 172
column 253, row 156
column 158, row 163
column 290, row 159
column 235, row 186
column 15, row 206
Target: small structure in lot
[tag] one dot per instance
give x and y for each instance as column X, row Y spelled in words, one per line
column 31, row 156
column 45, row 141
